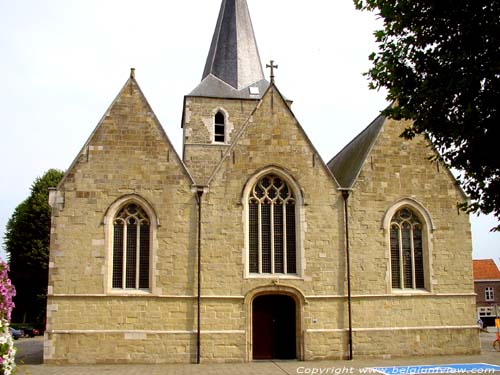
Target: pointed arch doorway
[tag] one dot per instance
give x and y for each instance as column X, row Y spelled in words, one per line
column 274, row 327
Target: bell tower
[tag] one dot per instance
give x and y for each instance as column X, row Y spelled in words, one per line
column 232, row 84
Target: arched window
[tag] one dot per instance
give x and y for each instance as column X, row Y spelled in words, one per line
column 407, row 253
column 131, row 248
column 219, row 127
column 272, row 247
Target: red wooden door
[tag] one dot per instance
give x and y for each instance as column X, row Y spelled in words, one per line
column 273, row 327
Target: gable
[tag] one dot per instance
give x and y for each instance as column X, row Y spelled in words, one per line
column 273, row 136
column 272, row 146
column 381, row 143
column 409, row 164
column 129, row 136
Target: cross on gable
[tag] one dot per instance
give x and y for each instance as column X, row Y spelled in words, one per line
column 272, row 67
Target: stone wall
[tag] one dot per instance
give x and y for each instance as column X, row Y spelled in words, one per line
column 200, row 153
column 399, row 169
column 398, row 172
column 129, row 157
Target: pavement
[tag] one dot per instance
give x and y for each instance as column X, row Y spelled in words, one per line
column 30, row 362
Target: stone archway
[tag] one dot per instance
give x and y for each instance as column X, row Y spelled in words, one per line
column 274, row 323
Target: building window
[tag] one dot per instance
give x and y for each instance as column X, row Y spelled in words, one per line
column 272, row 227
column 407, row 259
column 485, row 312
column 489, row 294
column 131, row 248
column 219, row 127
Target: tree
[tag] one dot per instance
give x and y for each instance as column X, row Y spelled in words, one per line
column 440, row 62
column 26, row 242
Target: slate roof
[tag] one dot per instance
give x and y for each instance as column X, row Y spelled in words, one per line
column 485, row 269
column 233, row 63
column 347, row 164
column 213, row 87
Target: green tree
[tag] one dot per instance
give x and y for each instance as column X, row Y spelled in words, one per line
column 26, row 242
column 440, row 62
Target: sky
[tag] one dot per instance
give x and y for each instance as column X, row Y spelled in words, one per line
column 64, row 61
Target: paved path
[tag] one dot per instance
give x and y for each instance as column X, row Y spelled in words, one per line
column 29, row 350
column 256, row 368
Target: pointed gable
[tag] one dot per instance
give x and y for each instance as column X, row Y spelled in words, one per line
column 272, row 146
column 382, row 141
column 272, row 135
column 129, row 136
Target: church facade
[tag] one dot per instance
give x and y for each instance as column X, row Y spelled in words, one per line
column 250, row 246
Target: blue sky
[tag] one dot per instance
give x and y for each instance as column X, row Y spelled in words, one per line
column 64, row 61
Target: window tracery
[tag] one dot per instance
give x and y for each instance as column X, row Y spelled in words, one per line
column 272, row 227
column 407, row 255
column 131, row 248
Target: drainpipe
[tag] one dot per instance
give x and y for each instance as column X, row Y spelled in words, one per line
column 199, row 195
column 345, row 195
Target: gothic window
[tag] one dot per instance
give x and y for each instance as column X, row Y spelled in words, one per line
column 219, row 127
column 489, row 294
column 407, row 259
column 131, row 248
column 272, row 222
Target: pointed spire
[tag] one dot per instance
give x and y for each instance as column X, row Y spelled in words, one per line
column 234, row 56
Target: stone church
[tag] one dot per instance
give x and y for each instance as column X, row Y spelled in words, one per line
column 249, row 246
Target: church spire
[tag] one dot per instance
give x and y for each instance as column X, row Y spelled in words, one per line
column 233, row 58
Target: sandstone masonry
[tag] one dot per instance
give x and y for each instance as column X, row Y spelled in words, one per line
column 216, row 208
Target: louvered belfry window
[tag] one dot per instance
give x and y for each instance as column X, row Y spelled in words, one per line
column 407, row 260
column 271, row 218
column 131, row 248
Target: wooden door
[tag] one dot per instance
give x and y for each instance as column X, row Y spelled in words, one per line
column 273, row 325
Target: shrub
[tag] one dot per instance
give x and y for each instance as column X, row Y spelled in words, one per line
column 7, row 349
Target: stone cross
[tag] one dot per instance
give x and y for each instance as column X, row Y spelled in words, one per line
column 272, row 66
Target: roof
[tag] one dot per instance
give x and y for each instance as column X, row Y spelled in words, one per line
column 233, row 63
column 214, row 87
column 485, row 269
column 347, row 164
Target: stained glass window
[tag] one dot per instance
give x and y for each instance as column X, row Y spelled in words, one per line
column 271, row 220
column 131, row 242
column 407, row 260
